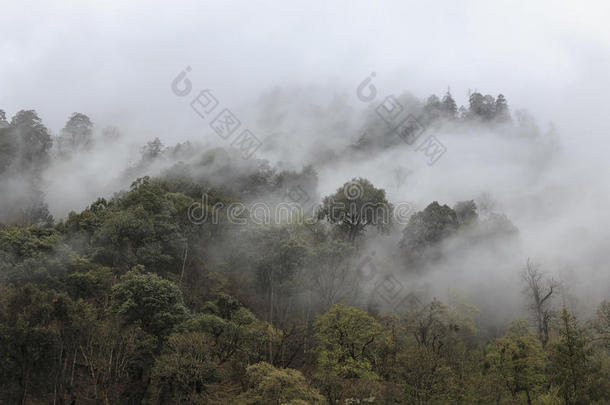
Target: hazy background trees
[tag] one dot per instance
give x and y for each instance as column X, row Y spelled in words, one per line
column 152, row 295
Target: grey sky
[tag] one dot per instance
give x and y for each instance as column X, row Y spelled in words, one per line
column 114, row 61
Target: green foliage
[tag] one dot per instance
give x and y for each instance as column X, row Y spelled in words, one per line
column 346, row 342
column 269, row 385
column 449, row 107
column 433, row 108
column 466, row 212
column 426, row 228
column 234, row 332
column 501, row 111
column 31, row 141
column 571, row 365
column 147, row 226
column 482, row 107
column 76, row 135
column 19, row 243
column 148, row 301
column 425, row 377
column 222, row 311
column 518, row 362
column 438, row 327
column 355, row 206
column 31, row 321
column 33, row 255
column 92, row 282
column 184, row 371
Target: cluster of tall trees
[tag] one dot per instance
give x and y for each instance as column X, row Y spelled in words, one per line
column 26, row 149
column 482, row 112
column 136, row 300
column 484, row 108
column 24, row 153
column 130, row 301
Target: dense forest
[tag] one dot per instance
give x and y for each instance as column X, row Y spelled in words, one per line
column 217, row 280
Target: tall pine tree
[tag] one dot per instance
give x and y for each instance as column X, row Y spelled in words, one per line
column 502, row 114
column 449, row 108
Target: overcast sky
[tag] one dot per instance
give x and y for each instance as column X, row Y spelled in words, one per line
column 115, row 60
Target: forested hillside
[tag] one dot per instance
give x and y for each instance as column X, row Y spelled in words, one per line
column 218, row 280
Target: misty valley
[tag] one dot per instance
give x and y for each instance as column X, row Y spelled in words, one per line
column 354, row 267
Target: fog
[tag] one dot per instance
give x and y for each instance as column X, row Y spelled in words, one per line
column 290, row 72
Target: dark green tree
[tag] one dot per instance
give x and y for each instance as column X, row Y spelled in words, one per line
column 148, row 301
column 76, row 135
column 6, row 147
column 426, row 228
column 347, row 352
column 571, row 366
column 185, row 370
column 152, row 150
column 355, row 206
column 30, row 343
column 501, row 109
column 31, row 139
column 466, row 212
column 518, row 362
column 449, row 107
column 482, row 107
column 269, row 385
column 433, row 108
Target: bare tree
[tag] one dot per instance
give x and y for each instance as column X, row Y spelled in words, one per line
column 540, row 291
